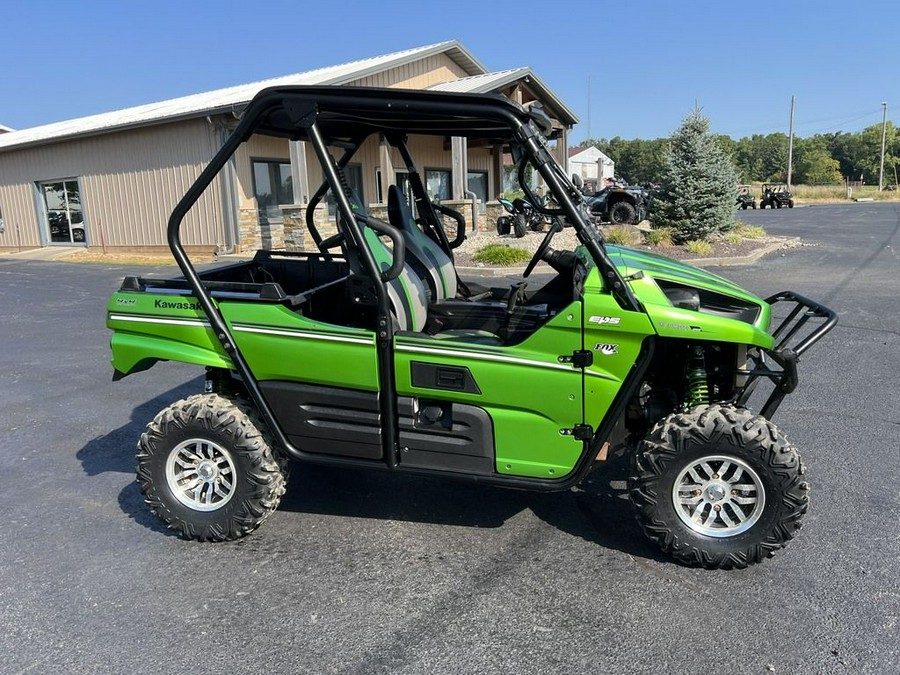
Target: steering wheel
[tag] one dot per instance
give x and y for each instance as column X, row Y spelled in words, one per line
column 542, row 249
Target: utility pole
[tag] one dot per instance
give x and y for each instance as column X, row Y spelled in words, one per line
column 791, row 147
column 883, row 134
column 589, row 108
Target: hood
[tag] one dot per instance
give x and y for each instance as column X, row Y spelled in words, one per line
column 630, row 260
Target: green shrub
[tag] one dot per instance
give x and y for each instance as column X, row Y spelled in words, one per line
column 661, row 237
column 500, row 254
column 750, row 231
column 698, row 247
column 621, row 236
column 733, row 238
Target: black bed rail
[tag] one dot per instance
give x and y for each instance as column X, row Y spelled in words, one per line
column 806, row 323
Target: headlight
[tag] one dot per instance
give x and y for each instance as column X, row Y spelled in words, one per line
column 709, row 302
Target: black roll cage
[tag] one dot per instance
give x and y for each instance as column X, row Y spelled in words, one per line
column 305, row 113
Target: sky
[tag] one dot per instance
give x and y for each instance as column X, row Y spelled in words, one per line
column 628, row 69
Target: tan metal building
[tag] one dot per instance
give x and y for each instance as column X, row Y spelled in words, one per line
column 112, row 179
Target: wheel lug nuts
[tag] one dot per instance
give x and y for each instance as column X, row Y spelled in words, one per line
column 717, row 507
column 697, row 493
column 715, row 475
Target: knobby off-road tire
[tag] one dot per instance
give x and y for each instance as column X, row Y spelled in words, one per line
column 520, row 227
column 621, row 213
column 725, row 457
column 207, row 468
column 503, row 225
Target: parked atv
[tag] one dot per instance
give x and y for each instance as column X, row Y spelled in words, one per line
column 522, row 216
column 618, row 204
column 745, row 200
column 368, row 355
column 776, row 195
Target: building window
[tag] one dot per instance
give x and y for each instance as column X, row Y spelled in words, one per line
column 401, row 180
column 272, row 186
column 62, row 203
column 438, row 183
column 353, row 174
column 477, row 182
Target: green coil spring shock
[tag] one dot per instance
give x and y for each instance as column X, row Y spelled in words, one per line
column 697, row 384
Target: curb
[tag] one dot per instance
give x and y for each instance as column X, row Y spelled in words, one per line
column 748, row 259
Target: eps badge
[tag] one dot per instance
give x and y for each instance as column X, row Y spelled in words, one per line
column 605, row 320
column 606, row 349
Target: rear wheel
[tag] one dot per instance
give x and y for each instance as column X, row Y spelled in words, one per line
column 208, row 469
column 791, row 204
column 621, row 213
column 718, row 487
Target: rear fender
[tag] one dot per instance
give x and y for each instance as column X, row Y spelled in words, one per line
column 148, row 328
column 132, row 353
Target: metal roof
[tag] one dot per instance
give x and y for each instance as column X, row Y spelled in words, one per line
column 5, row 129
column 231, row 98
column 487, row 82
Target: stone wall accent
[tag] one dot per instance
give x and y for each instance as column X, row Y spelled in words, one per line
column 293, row 235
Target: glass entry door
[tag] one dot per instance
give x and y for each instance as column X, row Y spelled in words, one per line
column 65, row 220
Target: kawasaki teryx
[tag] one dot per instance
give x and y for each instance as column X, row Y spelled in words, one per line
column 371, row 352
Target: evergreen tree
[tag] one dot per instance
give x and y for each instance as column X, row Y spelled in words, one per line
column 698, row 197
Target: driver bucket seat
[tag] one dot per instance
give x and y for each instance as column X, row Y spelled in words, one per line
column 424, row 255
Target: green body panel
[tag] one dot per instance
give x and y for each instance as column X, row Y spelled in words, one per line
column 149, row 327
column 280, row 344
column 534, row 399
column 674, row 322
column 530, row 396
column 614, row 337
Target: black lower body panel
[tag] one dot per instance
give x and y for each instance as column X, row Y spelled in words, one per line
column 445, row 436
column 327, row 420
column 437, row 435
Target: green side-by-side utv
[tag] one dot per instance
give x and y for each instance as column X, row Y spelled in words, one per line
column 371, row 352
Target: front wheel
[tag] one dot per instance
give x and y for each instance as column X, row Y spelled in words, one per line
column 621, row 213
column 718, row 487
column 519, row 226
column 208, row 469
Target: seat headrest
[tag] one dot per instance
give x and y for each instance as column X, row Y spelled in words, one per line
column 399, row 213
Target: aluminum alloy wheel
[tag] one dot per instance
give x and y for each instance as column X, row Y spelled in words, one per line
column 201, row 474
column 718, row 496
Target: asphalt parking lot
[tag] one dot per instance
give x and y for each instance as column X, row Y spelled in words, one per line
column 363, row 573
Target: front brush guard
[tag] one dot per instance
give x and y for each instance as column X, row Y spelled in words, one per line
column 791, row 341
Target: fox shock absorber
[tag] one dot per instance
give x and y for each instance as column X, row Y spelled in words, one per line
column 697, row 383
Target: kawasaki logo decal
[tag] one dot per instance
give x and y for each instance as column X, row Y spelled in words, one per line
column 176, row 304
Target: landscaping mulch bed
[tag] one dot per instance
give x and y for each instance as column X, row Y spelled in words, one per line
column 567, row 240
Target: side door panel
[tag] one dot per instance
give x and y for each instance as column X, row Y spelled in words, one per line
column 531, row 398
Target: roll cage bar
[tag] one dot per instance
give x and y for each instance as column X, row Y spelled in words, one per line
column 317, row 113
